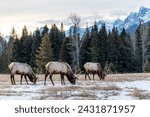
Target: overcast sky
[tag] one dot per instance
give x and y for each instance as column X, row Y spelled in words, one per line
column 19, row 11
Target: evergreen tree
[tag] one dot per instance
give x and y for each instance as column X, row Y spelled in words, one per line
column 62, row 36
column 13, row 36
column 139, row 49
column 72, row 48
column 113, row 46
column 45, row 53
column 102, row 45
column 126, row 59
column 7, row 55
column 35, row 47
column 109, row 45
column 94, row 43
column 70, row 33
column 37, row 38
column 145, row 32
column 148, row 45
column 45, row 30
column 2, row 45
column 85, row 49
column 66, row 54
column 33, row 54
column 28, row 49
column 16, row 50
column 55, row 37
column 22, row 47
column 26, row 46
column 3, row 57
column 3, row 64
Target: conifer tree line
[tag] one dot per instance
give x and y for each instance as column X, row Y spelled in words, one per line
column 114, row 50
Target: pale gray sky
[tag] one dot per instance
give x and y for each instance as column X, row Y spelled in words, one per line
column 13, row 12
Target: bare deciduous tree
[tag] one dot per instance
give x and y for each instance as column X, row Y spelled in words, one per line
column 75, row 19
column 145, row 44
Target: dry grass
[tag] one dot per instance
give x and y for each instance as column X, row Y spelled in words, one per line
column 77, row 92
column 140, row 94
column 107, row 88
column 83, row 90
column 108, row 78
column 62, row 95
column 9, row 93
column 111, row 88
column 127, row 77
column 120, row 77
column 42, row 97
column 110, row 93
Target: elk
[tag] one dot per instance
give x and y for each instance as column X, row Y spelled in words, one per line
column 22, row 69
column 94, row 68
column 61, row 68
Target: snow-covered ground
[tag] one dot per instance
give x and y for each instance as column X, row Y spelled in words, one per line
column 114, row 87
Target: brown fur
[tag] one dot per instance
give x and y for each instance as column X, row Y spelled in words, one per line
column 99, row 71
column 50, row 70
column 14, row 69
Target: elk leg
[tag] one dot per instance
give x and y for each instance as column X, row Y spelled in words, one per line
column 62, row 80
column 26, row 79
column 50, row 77
column 99, row 75
column 93, row 75
column 21, row 79
column 45, row 78
column 11, row 77
column 88, row 76
column 85, row 76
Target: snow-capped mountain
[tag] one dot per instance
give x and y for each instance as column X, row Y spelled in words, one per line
column 130, row 23
column 143, row 11
column 133, row 19
column 118, row 23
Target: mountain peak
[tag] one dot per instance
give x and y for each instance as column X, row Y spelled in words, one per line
column 117, row 21
column 143, row 11
column 130, row 23
column 143, row 8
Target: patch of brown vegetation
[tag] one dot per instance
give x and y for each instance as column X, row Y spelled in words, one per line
column 108, row 78
column 120, row 77
column 140, row 94
column 107, row 88
column 82, row 90
column 63, row 88
column 9, row 93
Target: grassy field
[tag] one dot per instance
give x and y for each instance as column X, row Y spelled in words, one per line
column 115, row 86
